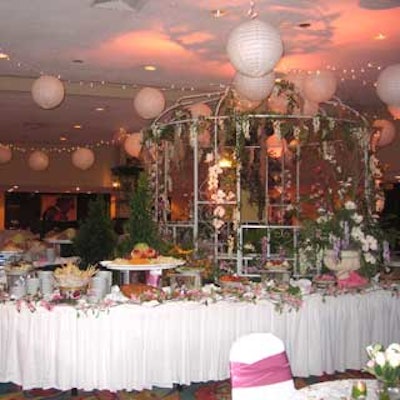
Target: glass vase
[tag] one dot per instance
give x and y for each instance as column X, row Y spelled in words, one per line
column 387, row 391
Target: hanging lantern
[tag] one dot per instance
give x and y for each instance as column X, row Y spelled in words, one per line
column 387, row 132
column 254, row 88
column 388, row 85
column 83, row 158
column 310, row 108
column 394, row 111
column 276, row 146
column 320, row 86
column 199, row 110
column 133, row 144
column 48, row 92
column 5, row 154
column 254, row 48
column 38, row 160
column 149, row 102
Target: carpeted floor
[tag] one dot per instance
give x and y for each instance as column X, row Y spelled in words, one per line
column 201, row 391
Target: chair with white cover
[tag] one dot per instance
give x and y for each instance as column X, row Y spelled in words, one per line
column 259, row 368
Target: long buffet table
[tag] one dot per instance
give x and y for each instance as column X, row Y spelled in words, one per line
column 138, row 346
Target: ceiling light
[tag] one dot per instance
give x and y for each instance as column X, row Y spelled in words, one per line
column 99, row 109
column 77, row 126
column 380, row 36
column 150, row 68
column 63, row 139
column 218, row 13
column 4, row 56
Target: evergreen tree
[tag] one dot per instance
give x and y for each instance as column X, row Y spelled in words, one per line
column 96, row 239
column 141, row 227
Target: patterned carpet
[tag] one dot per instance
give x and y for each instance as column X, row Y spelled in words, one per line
column 204, row 391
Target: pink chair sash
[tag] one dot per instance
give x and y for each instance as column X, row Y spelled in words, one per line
column 268, row 371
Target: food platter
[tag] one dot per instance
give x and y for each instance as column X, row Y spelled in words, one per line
column 120, row 266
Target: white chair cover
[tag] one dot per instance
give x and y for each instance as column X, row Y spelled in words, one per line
column 257, row 347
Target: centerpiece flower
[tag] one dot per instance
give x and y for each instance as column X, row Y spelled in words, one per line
column 384, row 364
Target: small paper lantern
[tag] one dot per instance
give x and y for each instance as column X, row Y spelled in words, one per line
column 199, row 110
column 48, row 92
column 83, row 158
column 5, row 154
column 133, row 144
column 387, row 132
column 38, row 160
column 388, row 85
column 254, row 88
column 149, row 102
column 254, row 48
column 320, row 86
column 276, row 146
column 394, row 111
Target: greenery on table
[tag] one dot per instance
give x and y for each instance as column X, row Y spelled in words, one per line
column 140, row 227
column 96, row 239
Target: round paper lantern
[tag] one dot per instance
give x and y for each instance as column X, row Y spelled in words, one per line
column 5, row 154
column 254, row 48
column 48, row 92
column 388, row 85
column 320, row 86
column 395, row 111
column 387, row 132
column 133, row 144
column 254, row 88
column 199, row 110
column 83, row 158
column 149, row 102
column 276, row 146
column 38, row 160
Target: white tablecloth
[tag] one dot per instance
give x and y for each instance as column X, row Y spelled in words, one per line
column 136, row 347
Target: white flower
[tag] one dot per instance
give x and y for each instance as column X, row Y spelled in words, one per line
column 380, row 358
column 219, row 211
column 373, row 243
column 369, row 258
column 357, row 218
column 209, row 157
column 393, row 357
column 357, row 234
column 373, row 349
column 350, row 205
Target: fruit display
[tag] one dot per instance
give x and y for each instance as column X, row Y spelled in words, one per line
column 143, row 251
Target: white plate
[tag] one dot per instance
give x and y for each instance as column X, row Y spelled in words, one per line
column 139, row 267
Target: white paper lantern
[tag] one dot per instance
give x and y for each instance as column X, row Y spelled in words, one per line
column 5, row 154
column 254, row 88
column 133, row 144
column 38, row 160
column 83, row 158
column 149, row 102
column 388, row 85
column 199, row 110
column 254, row 48
column 394, row 111
column 276, row 146
column 387, row 132
column 320, row 86
column 48, row 92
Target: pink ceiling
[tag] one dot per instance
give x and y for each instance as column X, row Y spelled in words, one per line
column 186, row 43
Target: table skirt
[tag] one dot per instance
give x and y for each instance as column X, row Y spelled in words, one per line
column 135, row 347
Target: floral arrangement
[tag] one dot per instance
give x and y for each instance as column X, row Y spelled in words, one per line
column 345, row 226
column 384, row 364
